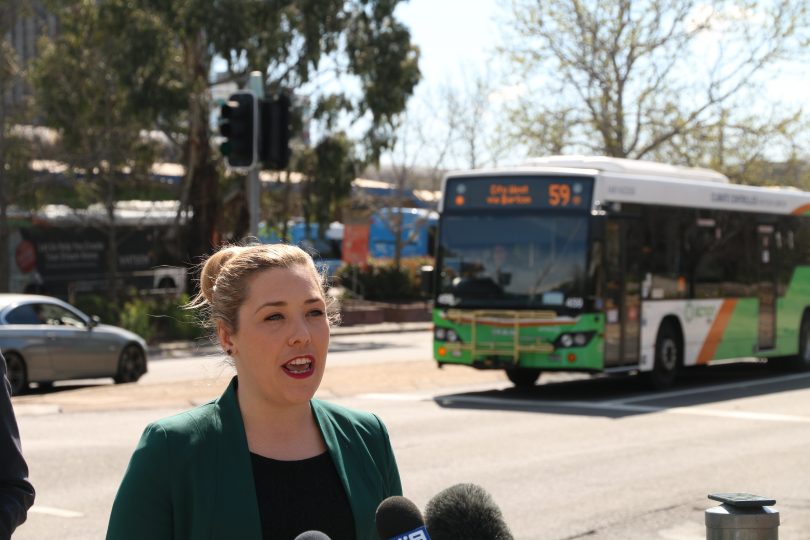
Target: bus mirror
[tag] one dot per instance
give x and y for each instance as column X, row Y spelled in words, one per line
column 426, row 278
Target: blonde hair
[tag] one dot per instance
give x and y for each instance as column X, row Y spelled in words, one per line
column 224, row 276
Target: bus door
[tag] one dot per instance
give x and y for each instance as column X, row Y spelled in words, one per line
column 766, row 287
column 622, row 291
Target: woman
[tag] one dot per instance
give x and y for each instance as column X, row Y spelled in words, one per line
column 265, row 460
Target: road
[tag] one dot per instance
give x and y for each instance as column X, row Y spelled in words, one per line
column 572, row 458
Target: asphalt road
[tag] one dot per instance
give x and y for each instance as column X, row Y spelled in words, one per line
column 572, row 458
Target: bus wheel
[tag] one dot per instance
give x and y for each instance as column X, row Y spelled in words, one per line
column 801, row 361
column 667, row 358
column 523, row 377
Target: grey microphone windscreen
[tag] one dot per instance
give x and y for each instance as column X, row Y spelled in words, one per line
column 465, row 512
column 397, row 515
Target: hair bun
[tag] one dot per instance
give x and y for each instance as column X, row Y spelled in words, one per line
column 213, row 267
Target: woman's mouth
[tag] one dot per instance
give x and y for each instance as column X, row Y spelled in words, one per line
column 300, row 367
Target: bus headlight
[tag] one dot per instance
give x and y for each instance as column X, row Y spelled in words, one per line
column 452, row 336
column 573, row 339
column 440, row 334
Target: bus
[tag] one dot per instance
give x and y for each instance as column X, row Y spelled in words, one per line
column 607, row 265
column 417, row 232
column 57, row 252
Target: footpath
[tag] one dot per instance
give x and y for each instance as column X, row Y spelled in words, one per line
column 417, row 375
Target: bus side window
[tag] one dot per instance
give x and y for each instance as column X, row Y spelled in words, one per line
column 665, row 259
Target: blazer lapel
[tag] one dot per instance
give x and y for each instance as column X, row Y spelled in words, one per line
column 238, row 508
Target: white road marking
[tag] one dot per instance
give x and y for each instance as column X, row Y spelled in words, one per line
column 51, row 511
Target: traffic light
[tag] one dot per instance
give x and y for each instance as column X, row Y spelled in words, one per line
column 239, row 124
column 274, row 148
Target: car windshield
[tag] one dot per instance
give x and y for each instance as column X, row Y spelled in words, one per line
column 513, row 261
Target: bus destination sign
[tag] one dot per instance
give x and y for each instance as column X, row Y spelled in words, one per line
column 530, row 192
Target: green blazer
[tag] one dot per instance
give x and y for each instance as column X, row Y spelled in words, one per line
column 191, row 476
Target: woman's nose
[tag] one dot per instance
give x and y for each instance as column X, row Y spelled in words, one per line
column 299, row 333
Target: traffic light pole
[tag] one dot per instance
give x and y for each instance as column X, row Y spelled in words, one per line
column 253, row 186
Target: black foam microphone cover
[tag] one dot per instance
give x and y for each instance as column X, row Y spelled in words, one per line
column 312, row 535
column 465, row 512
column 397, row 515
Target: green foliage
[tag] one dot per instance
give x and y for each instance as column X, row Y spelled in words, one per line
column 152, row 318
column 172, row 322
column 329, row 171
column 135, row 316
column 100, row 305
column 382, row 281
column 295, row 42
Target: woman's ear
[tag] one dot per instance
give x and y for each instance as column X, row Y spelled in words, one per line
column 225, row 338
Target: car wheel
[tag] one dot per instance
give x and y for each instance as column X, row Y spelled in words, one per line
column 523, row 377
column 17, row 373
column 668, row 352
column 131, row 365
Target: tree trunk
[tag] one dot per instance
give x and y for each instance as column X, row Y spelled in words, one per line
column 5, row 263
column 5, row 260
column 113, row 283
column 202, row 177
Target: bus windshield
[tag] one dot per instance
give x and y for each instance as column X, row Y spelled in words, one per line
column 512, row 261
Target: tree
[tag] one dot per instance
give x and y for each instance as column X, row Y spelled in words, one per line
column 327, row 174
column 653, row 79
column 14, row 155
column 80, row 92
column 306, row 45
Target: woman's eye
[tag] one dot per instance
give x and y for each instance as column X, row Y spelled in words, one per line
column 316, row 313
column 274, row 317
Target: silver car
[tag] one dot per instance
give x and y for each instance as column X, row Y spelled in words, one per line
column 45, row 339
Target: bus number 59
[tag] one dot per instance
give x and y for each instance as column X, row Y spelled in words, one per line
column 559, row 194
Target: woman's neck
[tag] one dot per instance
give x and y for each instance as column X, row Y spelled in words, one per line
column 284, row 432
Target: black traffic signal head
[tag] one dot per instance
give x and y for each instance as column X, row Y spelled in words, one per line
column 275, row 140
column 239, row 124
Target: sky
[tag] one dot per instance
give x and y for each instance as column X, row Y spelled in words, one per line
column 450, row 42
column 451, row 34
column 458, row 37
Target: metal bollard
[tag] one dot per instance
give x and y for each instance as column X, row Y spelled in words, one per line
column 742, row 516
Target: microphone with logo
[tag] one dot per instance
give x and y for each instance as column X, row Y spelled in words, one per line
column 398, row 518
column 312, row 535
column 465, row 512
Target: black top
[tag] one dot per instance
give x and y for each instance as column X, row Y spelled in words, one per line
column 16, row 492
column 299, row 496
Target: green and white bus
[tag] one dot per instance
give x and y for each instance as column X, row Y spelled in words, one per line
column 611, row 265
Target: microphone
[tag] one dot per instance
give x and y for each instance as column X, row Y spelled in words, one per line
column 312, row 535
column 465, row 512
column 398, row 518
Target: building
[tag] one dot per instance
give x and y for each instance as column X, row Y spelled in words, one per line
column 28, row 21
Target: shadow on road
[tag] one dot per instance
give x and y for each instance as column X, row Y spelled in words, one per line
column 65, row 386
column 619, row 397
